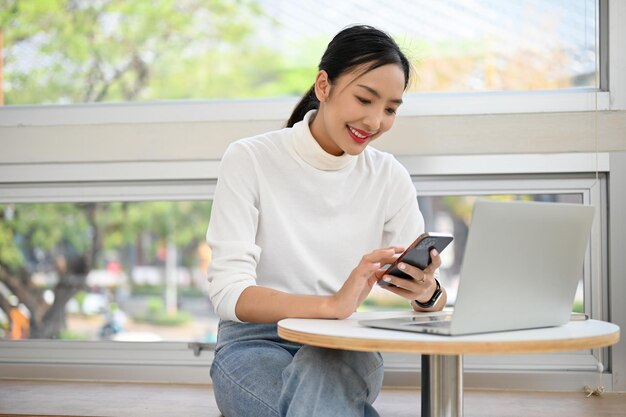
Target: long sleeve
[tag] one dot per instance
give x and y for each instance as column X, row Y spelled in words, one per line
column 289, row 216
column 232, row 232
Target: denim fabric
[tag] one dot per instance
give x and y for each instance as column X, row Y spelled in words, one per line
column 256, row 373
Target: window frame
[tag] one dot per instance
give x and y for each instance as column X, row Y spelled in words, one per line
column 572, row 370
column 519, row 174
column 432, row 175
column 609, row 61
column 415, row 104
column 35, row 176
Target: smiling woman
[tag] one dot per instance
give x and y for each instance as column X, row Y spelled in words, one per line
column 362, row 104
column 282, row 198
column 508, row 141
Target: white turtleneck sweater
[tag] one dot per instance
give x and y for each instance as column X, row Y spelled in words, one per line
column 289, row 216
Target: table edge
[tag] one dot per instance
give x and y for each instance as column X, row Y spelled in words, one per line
column 434, row 347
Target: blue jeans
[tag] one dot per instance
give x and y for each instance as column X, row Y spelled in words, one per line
column 256, row 373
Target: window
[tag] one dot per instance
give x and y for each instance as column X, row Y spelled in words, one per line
column 136, row 271
column 109, row 153
column 452, row 214
column 125, row 271
column 79, row 51
column 444, row 201
column 435, row 186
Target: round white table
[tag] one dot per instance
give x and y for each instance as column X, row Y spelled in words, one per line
column 442, row 356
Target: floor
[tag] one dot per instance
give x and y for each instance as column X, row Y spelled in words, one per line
column 51, row 398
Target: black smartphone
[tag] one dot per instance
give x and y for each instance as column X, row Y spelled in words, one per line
column 418, row 253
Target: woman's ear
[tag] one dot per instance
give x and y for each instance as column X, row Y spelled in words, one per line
column 322, row 86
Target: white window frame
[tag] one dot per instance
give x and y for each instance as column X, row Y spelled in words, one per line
column 567, row 370
column 30, row 174
column 417, row 104
column 612, row 72
column 433, row 175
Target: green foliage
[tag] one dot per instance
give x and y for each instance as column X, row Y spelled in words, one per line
column 26, row 228
column 46, row 224
column 120, row 50
column 184, row 223
column 180, row 318
column 155, row 305
column 154, row 290
column 10, row 255
column 578, row 307
column 63, row 228
column 157, row 315
column 158, row 290
column 80, row 297
column 67, row 334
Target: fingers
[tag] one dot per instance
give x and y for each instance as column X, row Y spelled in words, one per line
column 423, row 282
column 384, row 255
column 370, row 264
column 419, row 280
column 362, row 279
column 435, row 262
column 410, row 289
column 419, row 274
column 409, row 295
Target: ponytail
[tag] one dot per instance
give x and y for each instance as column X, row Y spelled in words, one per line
column 308, row 102
column 359, row 46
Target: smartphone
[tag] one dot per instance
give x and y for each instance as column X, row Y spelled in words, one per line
column 418, row 254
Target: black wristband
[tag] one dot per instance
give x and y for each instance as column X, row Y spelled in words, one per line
column 434, row 299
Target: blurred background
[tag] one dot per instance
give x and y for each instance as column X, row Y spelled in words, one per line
column 125, row 270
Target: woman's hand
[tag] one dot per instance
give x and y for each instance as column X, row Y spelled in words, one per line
column 421, row 287
column 361, row 280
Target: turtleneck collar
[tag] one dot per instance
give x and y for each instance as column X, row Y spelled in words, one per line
column 312, row 153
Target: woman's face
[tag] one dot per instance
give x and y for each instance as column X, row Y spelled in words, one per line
column 356, row 108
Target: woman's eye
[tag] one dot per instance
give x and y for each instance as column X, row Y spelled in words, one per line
column 390, row 110
column 363, row 100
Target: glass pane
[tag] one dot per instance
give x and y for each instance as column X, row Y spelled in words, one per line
column 452, row 214
column 137, row 271
column 94, row 271
column 77, row 51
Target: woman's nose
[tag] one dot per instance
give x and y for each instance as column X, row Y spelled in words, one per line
column 373, row 120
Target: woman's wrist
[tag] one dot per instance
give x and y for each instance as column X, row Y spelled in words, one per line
column 428, row 294
column 334, row 308
column 437, row 304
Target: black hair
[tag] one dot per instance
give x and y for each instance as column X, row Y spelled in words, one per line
column 354, row 46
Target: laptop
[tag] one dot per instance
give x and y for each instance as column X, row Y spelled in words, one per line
column 521, row 268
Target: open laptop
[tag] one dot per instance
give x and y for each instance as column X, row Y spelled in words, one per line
column 521, row 268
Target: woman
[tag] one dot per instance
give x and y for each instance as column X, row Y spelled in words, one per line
column 302, row 220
